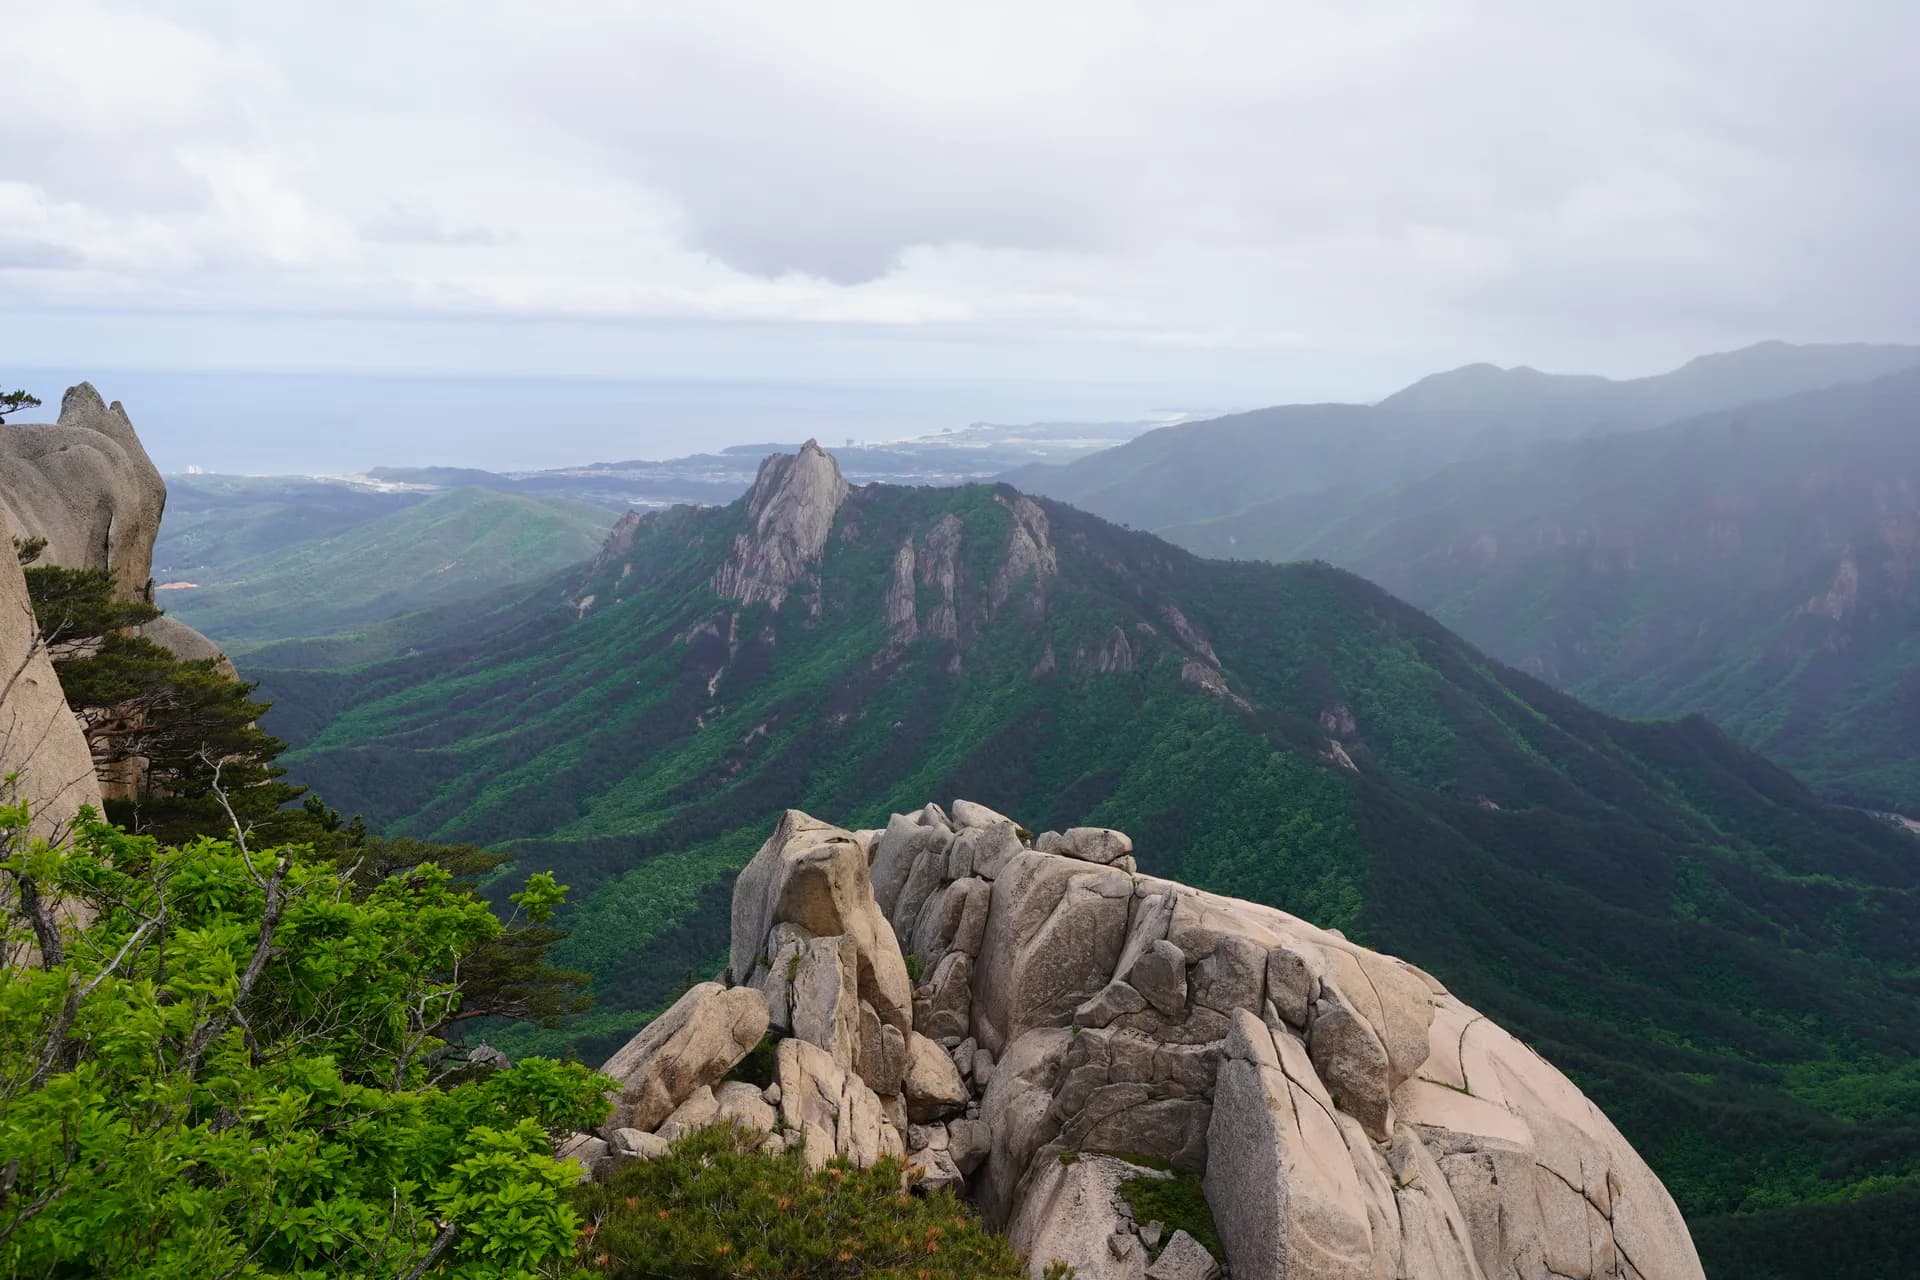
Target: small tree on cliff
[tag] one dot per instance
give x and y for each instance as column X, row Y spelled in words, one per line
column 15, row 401
column 184, row 723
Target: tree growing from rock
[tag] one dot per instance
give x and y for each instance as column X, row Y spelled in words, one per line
column 15, row 401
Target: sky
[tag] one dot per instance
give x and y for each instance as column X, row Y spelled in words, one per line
column 1178, row 204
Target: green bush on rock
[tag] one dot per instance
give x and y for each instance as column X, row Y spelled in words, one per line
column 713, row 1209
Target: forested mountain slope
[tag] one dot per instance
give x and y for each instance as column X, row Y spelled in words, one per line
column 447, row 547
column 1724, row 962
column 1755, row 565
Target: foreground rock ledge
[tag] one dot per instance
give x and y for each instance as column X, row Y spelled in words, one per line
column 1347, row 1115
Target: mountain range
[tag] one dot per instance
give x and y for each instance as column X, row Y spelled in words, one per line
column 1721, row 959
column 1733, row 539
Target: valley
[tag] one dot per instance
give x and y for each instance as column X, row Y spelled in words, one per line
column 1712, row 951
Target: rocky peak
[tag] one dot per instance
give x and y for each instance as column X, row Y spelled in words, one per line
column 790, row 508
column 619, row 541
column 85, row 484
column 1345, row 1115
column 1030, row 552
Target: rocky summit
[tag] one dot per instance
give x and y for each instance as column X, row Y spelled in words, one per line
column 1032, row 1020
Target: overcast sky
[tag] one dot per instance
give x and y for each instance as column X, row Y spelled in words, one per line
column 1265, row 200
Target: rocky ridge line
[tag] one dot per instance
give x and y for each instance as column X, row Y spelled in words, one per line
column 1071, row 1018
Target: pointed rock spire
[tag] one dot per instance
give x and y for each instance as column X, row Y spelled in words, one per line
column 790, row 511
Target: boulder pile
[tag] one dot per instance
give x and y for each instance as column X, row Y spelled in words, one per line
column 1033, row 1022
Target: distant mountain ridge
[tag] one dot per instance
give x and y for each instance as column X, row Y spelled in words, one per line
column 1732, row 538
column 1712, row 952
column 1331, row 458
column 1763, row 371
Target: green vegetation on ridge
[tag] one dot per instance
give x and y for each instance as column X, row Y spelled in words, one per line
column 1721, row 960
column 449, row 547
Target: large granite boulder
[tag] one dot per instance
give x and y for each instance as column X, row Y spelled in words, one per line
column 815, row 876
column 1348, row 1116
column 41, row 745
column 85, row 484
column 689, row 1047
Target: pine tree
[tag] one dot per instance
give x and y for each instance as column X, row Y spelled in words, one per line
column 15, row 401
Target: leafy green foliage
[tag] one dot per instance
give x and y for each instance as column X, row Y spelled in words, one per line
column 233, row 1067
column 713, row 1209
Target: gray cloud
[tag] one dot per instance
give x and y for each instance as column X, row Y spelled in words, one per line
column 1093, row 189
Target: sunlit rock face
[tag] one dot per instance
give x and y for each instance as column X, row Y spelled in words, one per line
column 41, row 746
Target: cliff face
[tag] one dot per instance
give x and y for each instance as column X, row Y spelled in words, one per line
column 1072, row 1023
column 86, row 485
column 41, row 746
column 791, row 510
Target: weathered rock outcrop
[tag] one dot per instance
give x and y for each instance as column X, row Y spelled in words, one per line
column 86, row 485
column 41, row 745
column 791, row 508
column 1345, row 1114
column 686, row 1049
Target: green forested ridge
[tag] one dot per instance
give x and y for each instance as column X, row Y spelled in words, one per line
column 449, row 547
column 1727, row 964
column 1754, row 565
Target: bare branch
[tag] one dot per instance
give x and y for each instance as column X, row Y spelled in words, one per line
column 440, row 1244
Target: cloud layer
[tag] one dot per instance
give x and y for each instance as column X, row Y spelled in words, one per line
column 1210, row 189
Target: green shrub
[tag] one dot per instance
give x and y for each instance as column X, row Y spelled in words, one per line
column 712, row 1209
column 232, row 1069
column 1180, row 1202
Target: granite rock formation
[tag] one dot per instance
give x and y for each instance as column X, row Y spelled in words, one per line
column 1347, row 1115
column 85, row 484
column 791, row 508
column 41, row 745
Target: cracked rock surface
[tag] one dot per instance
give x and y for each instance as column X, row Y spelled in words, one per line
column 1072, row 1025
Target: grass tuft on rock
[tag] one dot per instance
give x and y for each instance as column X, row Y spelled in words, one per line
column 1180, row 1202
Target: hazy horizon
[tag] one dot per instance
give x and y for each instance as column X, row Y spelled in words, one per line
column 1219, row 203
column 348, row 423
